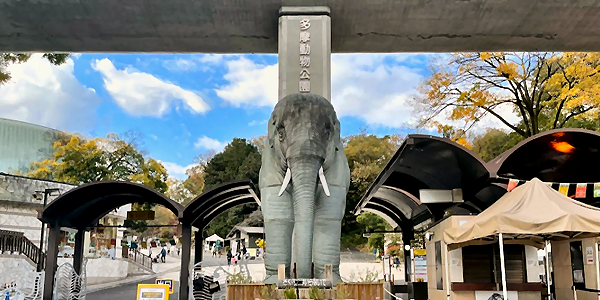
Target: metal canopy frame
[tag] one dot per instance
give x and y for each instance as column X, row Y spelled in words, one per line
column 424, row 162
column 82, row 207
column 203, row 209
column 432, row 162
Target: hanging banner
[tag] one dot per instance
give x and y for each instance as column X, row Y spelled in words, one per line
column 549, row 184
column 597, row 190
column 512, row 184
column 564, row 189
column 581, row 190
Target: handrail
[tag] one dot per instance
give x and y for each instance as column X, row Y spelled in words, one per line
column 140, row 258
column 17, row 242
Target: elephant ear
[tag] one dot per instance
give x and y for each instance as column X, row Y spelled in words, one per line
column 337, row 133
column 271, row 131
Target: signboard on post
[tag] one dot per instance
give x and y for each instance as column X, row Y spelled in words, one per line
column 152, row 292
column 168, row 281
column 140, row 215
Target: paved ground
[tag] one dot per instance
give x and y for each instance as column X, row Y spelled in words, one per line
column 354, row 265
column 125, row 292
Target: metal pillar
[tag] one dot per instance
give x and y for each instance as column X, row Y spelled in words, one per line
column 186, row 249
column 407, row 236
column 51, row 261
column 198, row 252
column 304, row 50
column 78, row 251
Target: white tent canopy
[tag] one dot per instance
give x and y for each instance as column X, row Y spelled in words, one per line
column 214, row 238
column 531, row 214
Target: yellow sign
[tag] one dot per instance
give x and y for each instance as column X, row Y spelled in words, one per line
column 168, row 281
column 152, row 292
column 420, row 251
column 140, row 215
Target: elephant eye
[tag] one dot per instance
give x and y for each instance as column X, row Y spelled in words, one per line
column 280, row 133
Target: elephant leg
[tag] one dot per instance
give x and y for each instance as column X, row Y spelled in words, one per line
column 329, row 212
column 278, row 215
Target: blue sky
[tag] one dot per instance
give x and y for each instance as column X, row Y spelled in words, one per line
column 185, row 105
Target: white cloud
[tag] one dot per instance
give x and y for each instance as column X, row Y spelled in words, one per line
column 180, row 64
column 256, row 123
column 250, row 84
column 48, row 95
column 211, row 58
column 142, row 94
column 176, row 170
column 363, row 85
column 207, row 143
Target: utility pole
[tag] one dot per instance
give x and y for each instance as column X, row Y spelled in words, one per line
column 41, row 256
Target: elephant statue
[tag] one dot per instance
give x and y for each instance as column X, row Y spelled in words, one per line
column 304, row 179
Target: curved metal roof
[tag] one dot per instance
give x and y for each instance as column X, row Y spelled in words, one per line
column 539, row 156
column 85, row 205
column 429, row 162
column 205, row 207
column 424, row 162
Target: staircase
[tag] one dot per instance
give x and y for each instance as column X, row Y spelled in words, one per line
column 15, row 243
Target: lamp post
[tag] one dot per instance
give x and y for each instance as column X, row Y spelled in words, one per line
column 41, row 255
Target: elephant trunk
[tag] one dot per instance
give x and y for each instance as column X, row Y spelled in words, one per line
column 305, row 172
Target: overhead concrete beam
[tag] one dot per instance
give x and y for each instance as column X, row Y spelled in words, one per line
column 250, row 26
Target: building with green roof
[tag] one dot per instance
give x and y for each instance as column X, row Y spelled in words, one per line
column 23, row 143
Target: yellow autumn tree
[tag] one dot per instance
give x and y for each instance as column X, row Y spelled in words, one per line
column 79, row 160
column 544, row 90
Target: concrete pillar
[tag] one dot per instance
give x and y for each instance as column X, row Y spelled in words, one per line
column 305, row 50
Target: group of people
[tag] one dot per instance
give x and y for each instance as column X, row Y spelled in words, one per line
column 231, row 259
column 161, row 256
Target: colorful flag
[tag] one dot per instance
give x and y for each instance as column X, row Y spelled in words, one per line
column 549, row 184
column 564, row 189
column 581, row 190
column 597, row 190
column 512, row 184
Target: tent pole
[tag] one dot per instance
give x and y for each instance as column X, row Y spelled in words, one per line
column 447, row 263
column 548, row 270
column 502, row 266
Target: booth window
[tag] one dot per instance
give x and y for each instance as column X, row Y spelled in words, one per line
column 577, row 264
column 481, row 262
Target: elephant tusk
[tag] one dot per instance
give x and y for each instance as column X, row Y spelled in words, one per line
column 286, row 181
column 324, row 181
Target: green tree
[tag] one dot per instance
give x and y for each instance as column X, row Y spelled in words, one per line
column 373, row 222
column 544, row 90
column 239, row 160
column 494, row 142
column 367, row 154
column 18, row 58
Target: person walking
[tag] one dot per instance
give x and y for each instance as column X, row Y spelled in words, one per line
column 243, row 251
column 229, row 257
column 214, row 250
column 163, row 253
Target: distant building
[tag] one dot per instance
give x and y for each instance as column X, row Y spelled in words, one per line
column 23, row 143
column 246, row 235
